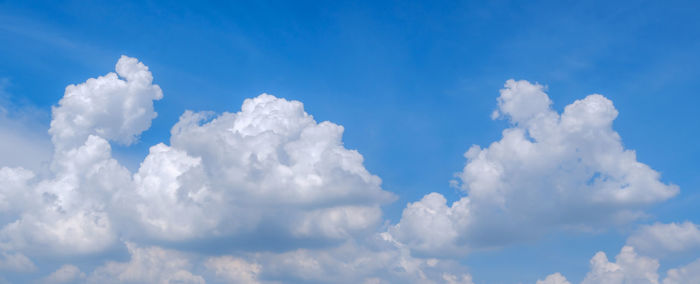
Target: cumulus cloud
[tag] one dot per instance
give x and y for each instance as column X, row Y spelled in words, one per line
column 268, row 177
column 379, row 259
column 116, row 107
column 267, row 194
column 548, row 171
column 67, row 273
column 662, row 239
column 147, row 265
column 555, row 278
column 234, row 270
column 270, row 162
column 627, row 268
column 454, row 279
column 16, row 262
column 630, row 267
column 429, row 226
column 686, row 274
column 66, row 214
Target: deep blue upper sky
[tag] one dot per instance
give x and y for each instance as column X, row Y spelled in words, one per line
column 413, row 84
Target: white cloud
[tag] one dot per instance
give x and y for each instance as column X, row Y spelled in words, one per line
column 627, row 268
column 65, row 274
column 16, row 262
column 662, row 239
column 114, row 108
column 429, row 226
column 66, row 214
column 282, row 196
column 454, row 279
column 269, row 170
column 686, row 274
column 555, row 278
column 172, row 198
column 522, row 101
column 13, row 193
column 270, row 162
column 147, row 265
column 379, row 259
column 234, row 270
column 549, row 171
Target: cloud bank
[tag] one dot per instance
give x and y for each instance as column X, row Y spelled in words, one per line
column 630, row 267
column 267, row 183
column 267, row 194
column 549, row 171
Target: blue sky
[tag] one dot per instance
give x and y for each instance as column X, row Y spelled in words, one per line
column 413, row 84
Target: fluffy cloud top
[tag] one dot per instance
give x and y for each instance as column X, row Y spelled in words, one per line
column 629, row 267
column 555, row 278
column 548, row 171
column 114, row 108
column 270, row 162
column 429, row 226
column 268, row 170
